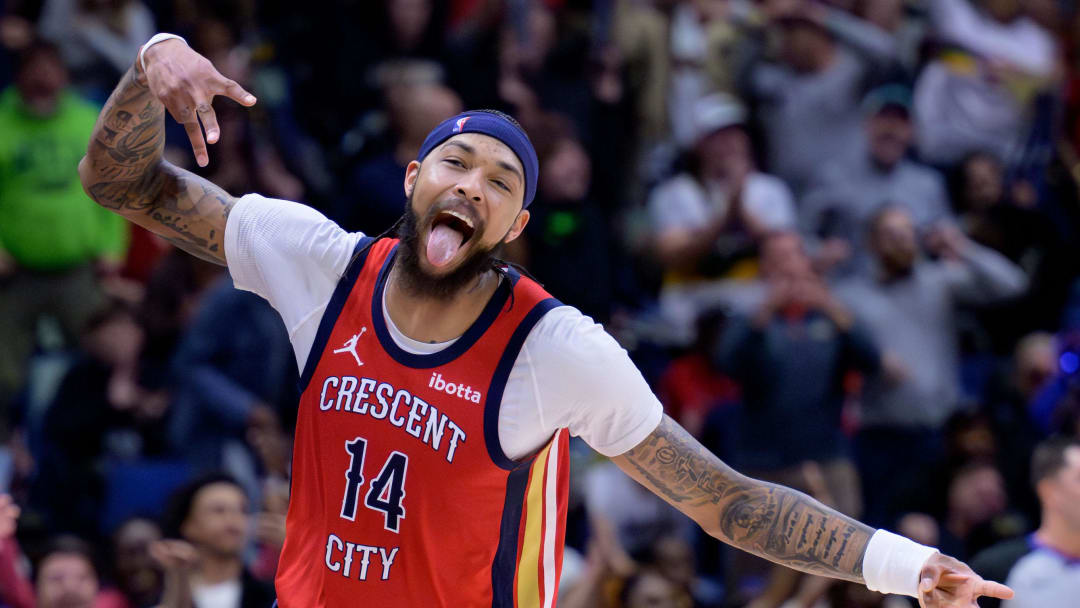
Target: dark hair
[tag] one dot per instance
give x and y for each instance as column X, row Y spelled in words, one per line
column 66, row 545
column 180, row 502
column 112, row 310
column 1049, row 457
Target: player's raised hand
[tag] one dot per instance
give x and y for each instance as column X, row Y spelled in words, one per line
column 186, row 83
column 946, row 582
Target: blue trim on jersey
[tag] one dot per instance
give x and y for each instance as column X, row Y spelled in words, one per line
column 1070, row 560
column 334, row 308
column 446, row 355
column 493, row 401
column 504, row 565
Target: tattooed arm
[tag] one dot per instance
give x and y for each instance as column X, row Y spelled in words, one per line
column 779, row 523
column 768, row 520
column 123, row 169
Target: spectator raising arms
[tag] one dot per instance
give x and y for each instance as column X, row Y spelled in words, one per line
column 849, row 190
column 908, row 305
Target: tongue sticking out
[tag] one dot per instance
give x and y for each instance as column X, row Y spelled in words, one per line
column 442, row 244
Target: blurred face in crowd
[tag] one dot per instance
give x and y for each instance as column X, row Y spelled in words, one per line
column 806, row 46
column 890, row 134
column 218, row 520
column 725, row 153
column 416, row 110
column 117, row 341
column 974, row 439
column 886, row 14
column 465, row 200
column 135, row 570
column 712, row 9
column 1002, row 10
column 1036, row 363
column 40, row 80
column 1046, row 13
column 652, row 591
column 977, row 494
column 893, row 241
column 1060, row 493
column 782, row 255
column 541, row 32
column 984, row 182
column 675, row 560
column 565, row 172
column 66, row 580
column 408, row 20
column 920, row 528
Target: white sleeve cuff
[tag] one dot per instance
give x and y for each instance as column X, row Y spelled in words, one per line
column 892, row 563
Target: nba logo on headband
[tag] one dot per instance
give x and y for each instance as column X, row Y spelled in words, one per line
column 460, row 124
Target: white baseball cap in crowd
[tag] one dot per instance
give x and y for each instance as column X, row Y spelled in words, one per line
column 717, row 111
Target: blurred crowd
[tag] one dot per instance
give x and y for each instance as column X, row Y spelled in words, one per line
column 833, row 235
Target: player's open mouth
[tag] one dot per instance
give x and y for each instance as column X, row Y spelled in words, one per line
column 449, row 231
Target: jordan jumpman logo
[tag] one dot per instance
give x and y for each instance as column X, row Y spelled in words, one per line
column 350, row 346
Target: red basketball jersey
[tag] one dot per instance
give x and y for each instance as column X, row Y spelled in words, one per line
column 401, row 494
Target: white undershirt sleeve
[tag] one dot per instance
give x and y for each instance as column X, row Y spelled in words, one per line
column 581, row 379
column 291, row 255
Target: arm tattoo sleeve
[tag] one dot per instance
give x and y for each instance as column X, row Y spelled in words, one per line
column 124, row 171
column 768, row 520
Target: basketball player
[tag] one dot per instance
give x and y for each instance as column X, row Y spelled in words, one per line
column 438, row 386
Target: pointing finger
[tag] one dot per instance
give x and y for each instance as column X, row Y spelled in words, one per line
column 992, row 589
column 194, row 133
column 233, row 91
column 209, row 122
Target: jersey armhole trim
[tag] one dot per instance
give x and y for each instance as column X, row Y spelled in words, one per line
column 493, row 403
column 334, row 308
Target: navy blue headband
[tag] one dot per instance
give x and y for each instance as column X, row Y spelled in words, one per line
column 495, row 126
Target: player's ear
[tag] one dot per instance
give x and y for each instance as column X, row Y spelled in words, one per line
column 412, row 172
column 518, row 226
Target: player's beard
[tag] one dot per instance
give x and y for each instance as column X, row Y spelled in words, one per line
column 418, row 282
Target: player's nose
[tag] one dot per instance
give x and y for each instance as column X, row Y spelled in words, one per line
column 470, row 186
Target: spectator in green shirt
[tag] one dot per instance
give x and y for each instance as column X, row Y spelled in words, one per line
column 54, row 241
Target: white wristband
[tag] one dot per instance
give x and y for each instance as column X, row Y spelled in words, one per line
column 156, row 38
column 892, row 563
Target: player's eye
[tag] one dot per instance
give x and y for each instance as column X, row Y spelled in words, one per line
column 455, row 162
column 501, row 184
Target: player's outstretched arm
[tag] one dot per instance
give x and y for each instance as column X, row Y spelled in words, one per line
column 123, row 169
column 776, row 522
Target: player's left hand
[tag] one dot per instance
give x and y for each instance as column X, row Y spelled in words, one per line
column 946, row 582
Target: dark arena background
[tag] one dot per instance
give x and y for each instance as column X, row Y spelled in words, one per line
column 838, row 238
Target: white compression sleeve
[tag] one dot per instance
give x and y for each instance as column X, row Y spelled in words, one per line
column 892, row 563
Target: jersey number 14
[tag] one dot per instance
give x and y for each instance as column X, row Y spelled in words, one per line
column 387, row 489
